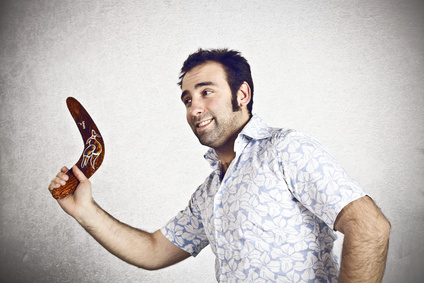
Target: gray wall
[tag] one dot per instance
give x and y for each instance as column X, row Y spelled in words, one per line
column 349, row 73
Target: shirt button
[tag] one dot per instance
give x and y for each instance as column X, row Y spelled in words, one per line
column 224, row 263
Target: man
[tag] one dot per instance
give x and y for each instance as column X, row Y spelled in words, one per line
column 270, row 205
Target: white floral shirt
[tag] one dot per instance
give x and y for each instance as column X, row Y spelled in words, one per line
column 271, row 217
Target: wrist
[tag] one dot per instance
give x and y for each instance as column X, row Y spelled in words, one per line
column 87, row 214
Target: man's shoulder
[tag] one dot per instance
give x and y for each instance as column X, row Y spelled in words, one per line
column 287, row 135
column 280, row 136
column 258, row 129
column 288, row 139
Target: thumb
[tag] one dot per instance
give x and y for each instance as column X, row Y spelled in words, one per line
column 78, row 173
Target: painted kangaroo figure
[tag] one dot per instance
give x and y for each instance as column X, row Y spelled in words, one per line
column 92, row 151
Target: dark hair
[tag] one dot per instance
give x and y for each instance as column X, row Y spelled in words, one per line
column 235, row 66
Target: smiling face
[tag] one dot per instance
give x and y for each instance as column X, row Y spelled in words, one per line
column 207, row 97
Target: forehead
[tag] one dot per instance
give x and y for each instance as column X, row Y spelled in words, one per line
column 210, row 71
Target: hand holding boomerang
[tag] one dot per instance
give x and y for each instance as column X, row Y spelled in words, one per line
column 94, row 148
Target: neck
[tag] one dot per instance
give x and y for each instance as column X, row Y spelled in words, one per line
column 226, row 152
column 226, row 157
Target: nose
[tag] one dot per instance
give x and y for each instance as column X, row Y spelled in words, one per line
column 197, row 107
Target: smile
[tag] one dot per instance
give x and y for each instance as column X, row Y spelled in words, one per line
column 204, row 123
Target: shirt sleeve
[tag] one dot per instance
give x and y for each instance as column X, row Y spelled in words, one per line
column 314, row 178
column 186, row 229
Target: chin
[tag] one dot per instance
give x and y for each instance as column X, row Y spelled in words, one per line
column 207, row 142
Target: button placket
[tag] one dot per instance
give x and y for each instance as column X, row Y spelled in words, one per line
column 219, row 214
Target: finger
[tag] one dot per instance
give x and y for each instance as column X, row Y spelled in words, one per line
column 60, row 179
column 78, row 173
column 56, row 183
column 62, row 176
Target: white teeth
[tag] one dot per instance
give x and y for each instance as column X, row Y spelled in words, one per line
column 204, row 123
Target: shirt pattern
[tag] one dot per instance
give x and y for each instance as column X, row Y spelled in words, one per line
column 271, row 217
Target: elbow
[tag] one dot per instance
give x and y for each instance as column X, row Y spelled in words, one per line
column 384, row 228
column 148, row 268
column 150, row 265
column 379, row 225
column 379, row 232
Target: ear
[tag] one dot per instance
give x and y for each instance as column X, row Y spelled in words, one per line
column 243, row 94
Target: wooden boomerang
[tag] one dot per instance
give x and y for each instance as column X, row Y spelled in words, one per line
column 94, row 148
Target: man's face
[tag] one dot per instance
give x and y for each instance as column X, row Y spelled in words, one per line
column 207, row 97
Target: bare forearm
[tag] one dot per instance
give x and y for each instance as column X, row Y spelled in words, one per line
column 129, row 244
column 140, row 248
column 364, row 260
column 365, row 243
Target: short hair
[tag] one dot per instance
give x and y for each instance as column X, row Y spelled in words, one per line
column 236, row 68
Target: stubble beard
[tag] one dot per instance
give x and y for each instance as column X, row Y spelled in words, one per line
column 222, row 132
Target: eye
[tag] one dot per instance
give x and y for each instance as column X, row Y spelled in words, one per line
column 186, row 101
column 206, row 92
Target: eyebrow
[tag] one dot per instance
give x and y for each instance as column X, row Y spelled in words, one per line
column 207, row 83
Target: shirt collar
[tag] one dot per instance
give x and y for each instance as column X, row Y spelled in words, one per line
column 254, row 129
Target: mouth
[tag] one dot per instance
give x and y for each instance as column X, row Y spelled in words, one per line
column 204, row 123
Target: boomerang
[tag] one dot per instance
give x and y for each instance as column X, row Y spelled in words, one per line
column 94, row 148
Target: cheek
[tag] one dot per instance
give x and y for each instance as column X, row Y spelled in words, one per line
column 218, row 106
column 189, row 118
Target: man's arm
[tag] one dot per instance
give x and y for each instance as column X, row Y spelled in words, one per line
column 366, row 239
column 146, row 250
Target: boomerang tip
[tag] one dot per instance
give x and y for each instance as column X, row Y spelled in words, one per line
column 70, row 99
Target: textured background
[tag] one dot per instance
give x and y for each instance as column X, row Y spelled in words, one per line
column 349, row 73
